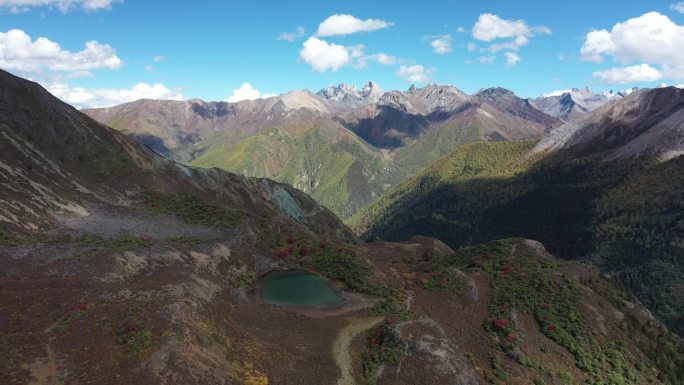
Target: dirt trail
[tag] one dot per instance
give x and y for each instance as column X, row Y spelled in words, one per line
column 342, row 346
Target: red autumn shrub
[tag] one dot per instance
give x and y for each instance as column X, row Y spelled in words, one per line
column 304, row 251
column 81, row 306
column 283, row 253
column 130, row 327
column 500, row 323
column 489, row 257
column 290, row 240
column 323, row 244
column 510, row 338
column 545, row 305
column 290, row 250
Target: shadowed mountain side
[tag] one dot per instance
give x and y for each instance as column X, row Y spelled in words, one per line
column 627, row 217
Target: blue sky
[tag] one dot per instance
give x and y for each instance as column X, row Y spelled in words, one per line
column 206, row 49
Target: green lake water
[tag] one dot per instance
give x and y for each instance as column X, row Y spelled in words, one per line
column 297, row 287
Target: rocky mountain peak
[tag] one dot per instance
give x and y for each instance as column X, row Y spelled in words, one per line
column 371, row 91
column 495, row 93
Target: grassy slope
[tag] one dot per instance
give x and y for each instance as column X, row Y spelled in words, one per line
column 342, row 172
column 627, row 217
column 331, row 171
column 393, row 212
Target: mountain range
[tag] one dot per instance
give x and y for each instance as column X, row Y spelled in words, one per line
column 343, row 146
column 119, row 266
column 605, row 188
column 575, row 103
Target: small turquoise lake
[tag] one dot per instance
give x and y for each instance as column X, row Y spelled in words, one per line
column 297, row 287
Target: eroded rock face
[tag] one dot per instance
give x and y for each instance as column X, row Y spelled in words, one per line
column 431, row 354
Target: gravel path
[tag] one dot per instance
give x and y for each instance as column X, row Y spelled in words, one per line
column 342, row 346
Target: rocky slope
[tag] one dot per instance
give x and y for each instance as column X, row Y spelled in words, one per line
column 344, row 146
column 120, row 267
column 605, row 188
column 575, row 103
column 647, row 123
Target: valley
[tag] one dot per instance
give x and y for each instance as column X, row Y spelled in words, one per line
column 342, row 146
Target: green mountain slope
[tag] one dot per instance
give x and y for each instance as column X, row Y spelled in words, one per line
column 340, row 173
column 626, row 217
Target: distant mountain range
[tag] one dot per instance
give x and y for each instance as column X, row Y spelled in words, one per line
column 607, row 188
column 345, row 146
column 575, row 103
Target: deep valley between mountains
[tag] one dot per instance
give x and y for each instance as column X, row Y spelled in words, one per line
column 489, row 239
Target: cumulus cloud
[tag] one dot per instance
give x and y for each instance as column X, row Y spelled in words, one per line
column 20, row 53
column 679, row 7
column 441, row 44
column 158, row 58
column 340, row 24
column 415, row 73
column 247, row 92
column 511, row 59
column 490, row 27
column 515, row 33
column 291, row 36
column 651, row 38
column 17, row 6
column 81, row 97
column 636, row 73
column 471, row 47
column 323, row 56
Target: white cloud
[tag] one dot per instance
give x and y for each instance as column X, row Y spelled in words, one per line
column 341, row 24
column 489, row 28
column 18, row 52
column 149, row 69
column 511, row 59
column 18, row 6
column 651, row 38
column 415, row 73
column 471, row 47
column 247, row 92
column 158, row 58
column 636, row 73
column 486, row 59
column 441, row 44
column 679, row 7
column 461, row 29
column 291, row 36
column 382, row 58
column 81, row 97
column 323, row 56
